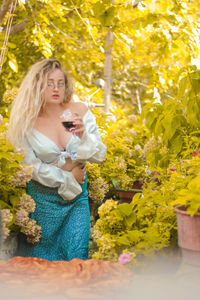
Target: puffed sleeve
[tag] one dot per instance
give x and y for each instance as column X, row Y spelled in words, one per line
column 51, row 176
column 91, row 147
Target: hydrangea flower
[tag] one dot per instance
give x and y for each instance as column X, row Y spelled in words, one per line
column 137, row 147
column 22, row 217
column 22, row 176
column 6, row 216
column 26, row 203
column 124, row 258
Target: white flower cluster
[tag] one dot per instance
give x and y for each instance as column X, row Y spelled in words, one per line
column 164, row 150
column 20, row 151
column 33, row 231
column 22, row 217
column 28, row 226
column 133, row 118
column 137, row 147
column 22, row 176
column 132, row 133
column 98, row 189
column 150, row 145
column 121, row 164
column 26, row 203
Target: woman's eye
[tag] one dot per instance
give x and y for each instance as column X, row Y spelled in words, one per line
column 50, row 83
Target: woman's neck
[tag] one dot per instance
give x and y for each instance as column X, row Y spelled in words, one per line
column 51, row 110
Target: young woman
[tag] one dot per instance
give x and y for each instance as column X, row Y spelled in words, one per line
column 58, row 156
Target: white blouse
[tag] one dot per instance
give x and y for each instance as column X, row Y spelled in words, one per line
column 42, row 153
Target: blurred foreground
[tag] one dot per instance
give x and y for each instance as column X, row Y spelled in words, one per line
column 157, row 279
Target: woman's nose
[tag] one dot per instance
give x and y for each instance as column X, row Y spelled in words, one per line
column 55, row 87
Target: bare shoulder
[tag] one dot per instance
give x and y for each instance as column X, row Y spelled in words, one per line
column 79, row 107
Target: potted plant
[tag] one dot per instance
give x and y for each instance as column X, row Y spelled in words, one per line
column 188, row 215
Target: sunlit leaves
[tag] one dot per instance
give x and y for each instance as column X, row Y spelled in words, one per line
column 149, row 47
column 13, row 62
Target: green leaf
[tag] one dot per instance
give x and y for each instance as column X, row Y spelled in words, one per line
column 196, row 84
column 4, row 205
column 176, row 144
column 130, row 220
column 115, row 183
column 123, row 240
column 135, row 235
column 99, row 9
column 182, row 87
column 109, row 16
column 125, row 209
column 14, row 200
column 150, row 119
column 11, row 45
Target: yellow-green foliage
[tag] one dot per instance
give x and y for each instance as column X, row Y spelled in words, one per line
column 10, row 160
column 189, row 195
column 146, row 225
column 174, row 124
column 125, row 139
column 15, row 205
column 5, row 104
column 125, row 136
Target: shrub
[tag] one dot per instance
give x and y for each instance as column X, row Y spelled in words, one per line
column 144, row 226
column 124, row 137
column 14, row 202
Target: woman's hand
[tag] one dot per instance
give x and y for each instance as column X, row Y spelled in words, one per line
column 79, row 126
column 79, row 173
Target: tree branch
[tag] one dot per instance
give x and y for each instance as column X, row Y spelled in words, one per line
column 19, row 27
column 4, row 9
column 22, row 26
column 72, row 13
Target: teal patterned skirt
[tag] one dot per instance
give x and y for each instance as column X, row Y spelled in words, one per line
column 65, row 225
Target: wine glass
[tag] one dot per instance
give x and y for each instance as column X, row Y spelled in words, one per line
column 67, row 122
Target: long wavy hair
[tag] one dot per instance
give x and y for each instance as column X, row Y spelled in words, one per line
column 30, row 101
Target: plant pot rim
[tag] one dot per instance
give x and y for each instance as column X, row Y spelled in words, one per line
column 129, row 191
column 181, row 209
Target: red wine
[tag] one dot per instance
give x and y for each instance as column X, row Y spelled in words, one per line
column 68, row 124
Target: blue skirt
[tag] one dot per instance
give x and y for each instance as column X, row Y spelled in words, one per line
column 65, row 225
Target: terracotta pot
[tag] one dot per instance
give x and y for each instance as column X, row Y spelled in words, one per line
column 188, row 235
column 127, row 196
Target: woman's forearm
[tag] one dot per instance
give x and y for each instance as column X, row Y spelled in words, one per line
column 70, row 165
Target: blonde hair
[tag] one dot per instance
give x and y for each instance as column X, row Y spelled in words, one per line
column 29, row 100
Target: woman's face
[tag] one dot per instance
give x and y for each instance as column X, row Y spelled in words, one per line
column 55, row 89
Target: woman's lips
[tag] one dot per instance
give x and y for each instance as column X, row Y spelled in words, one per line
column 55, row 96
